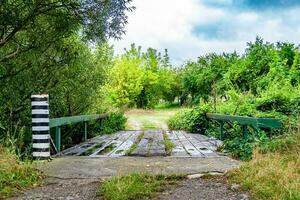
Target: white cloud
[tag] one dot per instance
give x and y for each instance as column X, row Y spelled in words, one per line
column 169, row 24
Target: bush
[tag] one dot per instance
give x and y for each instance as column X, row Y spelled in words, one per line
column 239, row 148
column 115, row 122
column 194, row 120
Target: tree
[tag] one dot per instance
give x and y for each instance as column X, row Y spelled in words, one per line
column 44, row 49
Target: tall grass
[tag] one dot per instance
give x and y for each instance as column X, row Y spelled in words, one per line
column 14, row 174
column 274, row 171
column 135, row 186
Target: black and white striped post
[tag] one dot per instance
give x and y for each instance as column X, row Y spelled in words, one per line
column 40, row 127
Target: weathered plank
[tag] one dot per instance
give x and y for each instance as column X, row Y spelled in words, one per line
column 121, row 149
column 157, row 147
column 188, row 146
column 80, row 148
column 111, row 145
column 204, row 147
column 151, row 144
column 178, row 149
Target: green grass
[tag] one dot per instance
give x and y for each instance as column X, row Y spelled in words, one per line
column 169, row 145
column 135, row 144
column 149, row 125
column 15, row 175
column 274, row 171
column 135, row 186
column 107, row 149
column 139, row 119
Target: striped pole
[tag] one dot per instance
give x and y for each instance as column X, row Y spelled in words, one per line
column 40, row 127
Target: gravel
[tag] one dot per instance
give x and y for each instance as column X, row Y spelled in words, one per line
column 59, row 189
column 202, row 189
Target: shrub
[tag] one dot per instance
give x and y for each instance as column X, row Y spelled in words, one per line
column 115, row 122
column 194, row 120
column 239, row 148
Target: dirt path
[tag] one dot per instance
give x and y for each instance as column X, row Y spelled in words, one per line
column 138, row 119
column 202, row 189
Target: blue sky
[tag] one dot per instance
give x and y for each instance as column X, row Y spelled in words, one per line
column 190, row 28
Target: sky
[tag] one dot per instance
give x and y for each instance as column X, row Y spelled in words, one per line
column 190, row 28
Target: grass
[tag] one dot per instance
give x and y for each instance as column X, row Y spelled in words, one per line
column 167, row 106
column 15, row 175
column 149, row 125
column 135, row 186
column 169, row 145
column 274, row 171
column 107, row 149
column 139, row 119
column 135, row 144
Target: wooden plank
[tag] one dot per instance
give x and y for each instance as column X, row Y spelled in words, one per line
column 214, row 142
column 157, row 147
column 188, row 146
column 151, row 144
column 206, row 148
column 115, row 141
column 178, row 149
column 80, row 148
column 121, row 149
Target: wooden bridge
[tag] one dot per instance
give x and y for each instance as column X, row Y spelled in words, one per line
column 155, row 142
column 146, row 143
column 134, row 143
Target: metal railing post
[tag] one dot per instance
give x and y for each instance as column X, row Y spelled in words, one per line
column 222, row 130
column 245, row 131
column 58, row 139
column 85, row 131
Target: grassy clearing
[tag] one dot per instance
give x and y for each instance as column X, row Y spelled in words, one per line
column 169, row 145
column 149, row 125
column 15, row 175
column 139, row 119
column 135, row 186
column 135, row 144
column 274, row 171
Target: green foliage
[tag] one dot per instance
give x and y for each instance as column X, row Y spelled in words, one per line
column 15, row 175
column 273, row 173
column 282, row 144
column 169, row 145
column 141, row 79
column 239, row 147
column 115, row 122
column 193, row 120
column 135, row 186
column 263, row 82
column 41, row 51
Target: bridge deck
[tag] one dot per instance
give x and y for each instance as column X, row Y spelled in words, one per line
column 146, row 143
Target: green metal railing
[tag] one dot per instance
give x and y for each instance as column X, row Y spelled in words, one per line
column 255, row 123
column 58, row 122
